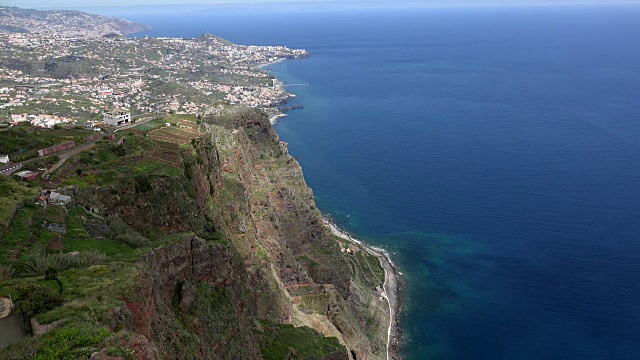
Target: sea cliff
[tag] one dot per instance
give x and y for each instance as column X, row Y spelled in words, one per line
column 189, row 232
column 222, row 254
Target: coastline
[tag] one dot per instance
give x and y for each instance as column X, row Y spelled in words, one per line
column 263, row 65
column 391, row 287
column 273, row 119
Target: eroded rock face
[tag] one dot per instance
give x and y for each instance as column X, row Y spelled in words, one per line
column 204, row 169
column 151, row 202
column 277, row 216
column 270, row 257
column 168, row 304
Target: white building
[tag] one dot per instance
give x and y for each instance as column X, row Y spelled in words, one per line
column 59, row 199
column 4, row 159
column 116, row 117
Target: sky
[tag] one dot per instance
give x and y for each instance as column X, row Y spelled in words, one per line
column 88, row 3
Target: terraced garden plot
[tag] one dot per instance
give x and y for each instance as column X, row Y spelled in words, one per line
column 188, row 124
column 174, row 134
column 167, row 154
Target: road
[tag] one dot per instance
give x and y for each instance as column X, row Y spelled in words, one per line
column 63, row 155
column 389, row 288
column 66, row 154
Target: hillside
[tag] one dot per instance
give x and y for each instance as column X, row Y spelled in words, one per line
column 64, row 23
column 198, row 240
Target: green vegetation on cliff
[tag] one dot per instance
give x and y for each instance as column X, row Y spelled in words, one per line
column 284, row 341
column 209, row 246
column 13, row 194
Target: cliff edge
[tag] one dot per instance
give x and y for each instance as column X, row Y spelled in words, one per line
column 210, row 249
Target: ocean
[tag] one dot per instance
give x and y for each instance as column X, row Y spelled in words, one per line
column 493, row 150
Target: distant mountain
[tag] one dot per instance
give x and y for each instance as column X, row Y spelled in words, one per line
column 64, row 23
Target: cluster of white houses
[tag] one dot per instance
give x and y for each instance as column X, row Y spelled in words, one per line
column 41, row 120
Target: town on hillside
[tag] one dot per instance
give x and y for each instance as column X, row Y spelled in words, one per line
column 52, row 79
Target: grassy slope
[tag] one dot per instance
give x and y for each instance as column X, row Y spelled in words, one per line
column 13, row 193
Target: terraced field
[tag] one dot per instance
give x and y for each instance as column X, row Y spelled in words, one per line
column 170, row 138
column 166, row 153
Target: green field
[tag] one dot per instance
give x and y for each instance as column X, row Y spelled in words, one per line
column 13, row 193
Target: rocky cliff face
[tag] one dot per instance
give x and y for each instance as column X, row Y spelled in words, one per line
column 278, row 224
column 252, row 192
column 194, row 299
column 228, row 260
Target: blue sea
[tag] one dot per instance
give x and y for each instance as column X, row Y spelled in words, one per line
column 495, row 151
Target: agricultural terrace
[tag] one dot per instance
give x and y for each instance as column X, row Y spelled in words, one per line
column 170, row 132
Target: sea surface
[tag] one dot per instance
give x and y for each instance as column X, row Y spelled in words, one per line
column 494, row 151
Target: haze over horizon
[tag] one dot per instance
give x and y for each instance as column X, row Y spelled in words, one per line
column 39, row 4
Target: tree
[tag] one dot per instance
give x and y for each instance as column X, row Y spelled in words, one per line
column 33, row 298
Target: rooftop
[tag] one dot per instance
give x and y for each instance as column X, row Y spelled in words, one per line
column 24, row 173
column 116, row 112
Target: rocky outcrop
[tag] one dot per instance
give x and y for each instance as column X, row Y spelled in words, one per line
column 137, row 347
column 152, row 202
column 175, row 282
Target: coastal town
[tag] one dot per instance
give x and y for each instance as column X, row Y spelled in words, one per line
column 83, row 74
column 68, row 80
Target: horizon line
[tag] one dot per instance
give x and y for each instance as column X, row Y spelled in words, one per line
column 338, row 3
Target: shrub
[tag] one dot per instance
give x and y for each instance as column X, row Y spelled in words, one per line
column 119, row 150
column 35, row 298
column 72, row 341
column 86, row 158
column 116, row 226
column 132, row 239
column 38, row 266
column 121, row 232
column 142, row 184
column 118, row 351
column 6, row 272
